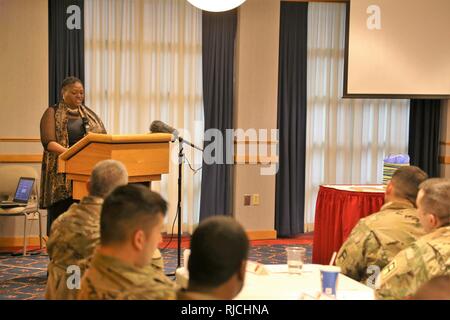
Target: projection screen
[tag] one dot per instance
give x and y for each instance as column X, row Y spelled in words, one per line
column 398, row 48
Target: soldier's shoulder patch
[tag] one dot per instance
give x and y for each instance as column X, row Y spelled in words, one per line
column 389, row 270
column 410, row 253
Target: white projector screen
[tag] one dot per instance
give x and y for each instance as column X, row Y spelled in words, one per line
column 398, row 48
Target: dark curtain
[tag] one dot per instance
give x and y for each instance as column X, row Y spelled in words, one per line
column 66, row 43
column 290, row 179
column 424, row 133
column 219, row 33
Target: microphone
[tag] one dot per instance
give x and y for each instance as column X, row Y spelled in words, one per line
column 86, row 125
column 161, row 127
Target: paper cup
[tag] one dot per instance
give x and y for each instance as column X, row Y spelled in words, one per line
column 329, row 279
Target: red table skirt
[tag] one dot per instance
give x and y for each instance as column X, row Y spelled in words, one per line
column 337, row 212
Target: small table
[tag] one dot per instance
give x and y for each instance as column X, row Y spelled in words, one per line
column 338, row 210
column 280, row 285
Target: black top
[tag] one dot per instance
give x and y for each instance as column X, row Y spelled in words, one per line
column 75, row 127
column 75, row 130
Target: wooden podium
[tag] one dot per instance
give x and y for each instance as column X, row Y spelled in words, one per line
column 146, row 157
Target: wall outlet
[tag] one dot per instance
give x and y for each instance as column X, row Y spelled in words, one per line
column 247, row 200
column 255, row 199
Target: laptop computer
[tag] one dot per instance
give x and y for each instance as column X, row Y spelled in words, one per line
column 22, row 194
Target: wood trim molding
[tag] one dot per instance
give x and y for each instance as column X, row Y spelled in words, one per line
column 444, row 159
column 264, row 160
column 261, row 234
column 8, row 242
column 309, row 227
column 19, row 139
column 20, row 158
column 13, row 242
column 247, row 142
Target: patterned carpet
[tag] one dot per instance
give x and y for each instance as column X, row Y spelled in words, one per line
column 24, row 278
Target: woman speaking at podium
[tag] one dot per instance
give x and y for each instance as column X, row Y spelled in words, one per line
column 62, row 125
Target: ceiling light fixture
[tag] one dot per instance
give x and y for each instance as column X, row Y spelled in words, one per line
column 216, row 5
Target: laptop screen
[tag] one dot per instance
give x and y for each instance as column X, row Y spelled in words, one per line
column 23, row 191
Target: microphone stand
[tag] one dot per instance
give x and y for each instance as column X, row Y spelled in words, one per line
column 181, row 142
column 180, row 175
column 178, row 216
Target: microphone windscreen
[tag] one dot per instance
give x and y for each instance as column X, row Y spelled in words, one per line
column 156, row 126
column 161, row 127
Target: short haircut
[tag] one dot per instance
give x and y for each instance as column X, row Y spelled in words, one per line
column 406, row 181
column 436, row 198
column 70, row 81
column 219, row 245
column 437, row 288
column 106, row 176
column 127, row 209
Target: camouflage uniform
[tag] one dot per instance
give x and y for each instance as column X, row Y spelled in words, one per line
column 108, row 278
column 425, row 259
column 376, row 239
column 74, row 236
column 157, row 260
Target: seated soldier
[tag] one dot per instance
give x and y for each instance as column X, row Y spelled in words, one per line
column 429, row 256
column 376, row 239
column 76, row 233
column 217, row 262
column 130, row 230
column 437, row 288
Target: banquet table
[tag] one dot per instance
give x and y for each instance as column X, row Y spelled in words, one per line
column 338, row 210
column 278, row 284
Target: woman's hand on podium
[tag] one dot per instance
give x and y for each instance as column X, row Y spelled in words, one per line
column 55, row 147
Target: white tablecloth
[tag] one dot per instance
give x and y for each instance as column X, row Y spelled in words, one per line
column 280, row 285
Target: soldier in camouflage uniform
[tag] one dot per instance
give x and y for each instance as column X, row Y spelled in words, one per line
column 218, row 260
column 131, row 222
column 76, row 233
column 376, row 239
column 110, row 278
column 429, row 256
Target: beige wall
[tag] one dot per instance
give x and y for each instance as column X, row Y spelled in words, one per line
column 256, row 103
column 445, row 140
column 23, row 83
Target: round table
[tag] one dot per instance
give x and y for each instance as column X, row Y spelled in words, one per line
column 278, row 284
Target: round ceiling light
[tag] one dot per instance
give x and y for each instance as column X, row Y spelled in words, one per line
column 216, row 5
